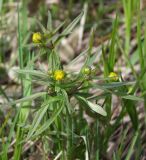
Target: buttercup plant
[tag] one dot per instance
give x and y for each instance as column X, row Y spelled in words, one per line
column 66, row 99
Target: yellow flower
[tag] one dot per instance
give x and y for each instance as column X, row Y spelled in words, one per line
column 59, row 75
column 37, row 37
column 86, row 70
column 113, row 76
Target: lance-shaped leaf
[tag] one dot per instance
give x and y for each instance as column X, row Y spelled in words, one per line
column 47, row 124
column 71, row 26
column 132, row 97
column 28, row 98
column 32, row 73
column 95, row 107
column 40, row 114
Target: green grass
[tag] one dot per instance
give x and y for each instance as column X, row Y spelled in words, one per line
column 52, row 112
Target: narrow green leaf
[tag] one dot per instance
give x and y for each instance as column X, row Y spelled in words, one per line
column 80, row 55
column 40, row 114
column 86, row 144
column 71, row 26
column 49, row 23
column 130, row 151
column 32, row 73
column 132, row 97
column 140, row 49
column 37, row 119
column 112, row 54
column 47, row 124
column 41, row 26
column 57, row 29
column 105, row 64
column 116, row 84
column 131, row 110
column 29, row 98
column 91, row 60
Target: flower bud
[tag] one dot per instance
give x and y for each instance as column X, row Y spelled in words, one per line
column 86, row 70
column 113, row 76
